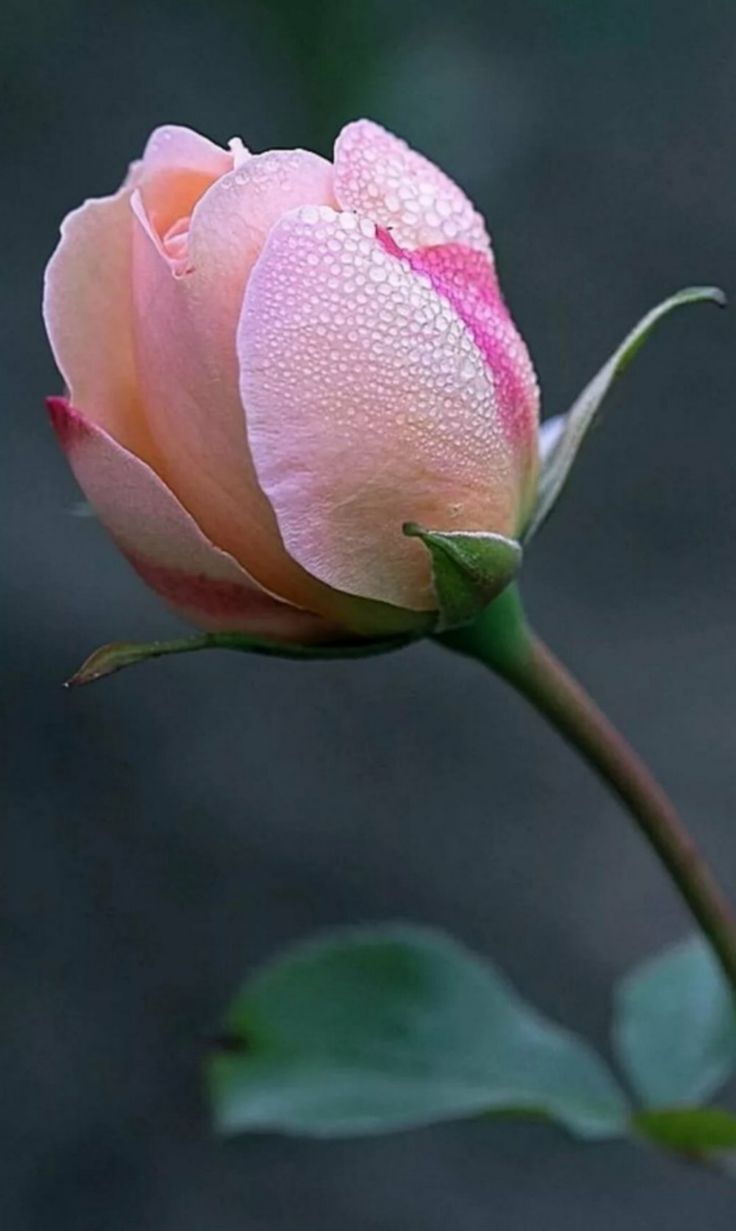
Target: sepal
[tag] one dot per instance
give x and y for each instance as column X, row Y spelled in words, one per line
column 562, row 436
column 118, row 654
column 469, row 570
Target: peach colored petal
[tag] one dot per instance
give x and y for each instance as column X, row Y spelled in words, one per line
column 188, row 371
column 177, row 168
column 369, row 404
column 87, row 294
column 173, row 147
column 186, row 325
column 379, row 175
column 202, row 584
column 87, row 310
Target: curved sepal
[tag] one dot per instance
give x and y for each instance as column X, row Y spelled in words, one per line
column 469, row 570
column 562, row 436
column 118, row 654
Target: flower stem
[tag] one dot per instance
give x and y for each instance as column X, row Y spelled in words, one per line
column 503, row 640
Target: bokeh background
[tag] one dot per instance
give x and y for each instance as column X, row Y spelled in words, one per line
column 168, row 829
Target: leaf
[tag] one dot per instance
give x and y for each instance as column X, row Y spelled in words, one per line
column 692, row 1130
column 675, row 1026
column 469, row 570
column 563, row 445
column 373, row 1030
column 118, row 654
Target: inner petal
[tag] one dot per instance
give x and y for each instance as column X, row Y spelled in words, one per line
column 175, row 245
column 164, row 203
column 177, row 168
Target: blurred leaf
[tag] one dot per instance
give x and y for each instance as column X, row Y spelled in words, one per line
column 578, row 421
column 377, row 1029
column 118, row 654
column 675, row 1026
column 696, row 1130
column 469, row 570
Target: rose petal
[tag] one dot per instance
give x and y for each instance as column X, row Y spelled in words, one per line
column 172, row 147
column 377, row 174
column 466, row 279
column 185, row 332
column 177, row 168
column 202, row 584
column 87, row 293
column 369, row 404
column 87, row 311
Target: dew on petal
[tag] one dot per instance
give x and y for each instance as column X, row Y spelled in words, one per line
column 369, row 400
column 378, row 175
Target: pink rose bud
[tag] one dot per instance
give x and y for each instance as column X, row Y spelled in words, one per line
column 273, row 362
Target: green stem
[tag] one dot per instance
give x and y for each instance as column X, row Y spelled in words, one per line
column 503, row 641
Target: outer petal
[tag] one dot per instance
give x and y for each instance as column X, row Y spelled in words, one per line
column 185, row 336
column 466, row 279
column 377, row 174
column 369, row 404
column 164, row 544
column 88, row 314
column 88, row 293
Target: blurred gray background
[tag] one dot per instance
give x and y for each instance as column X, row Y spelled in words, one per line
column 170, row 828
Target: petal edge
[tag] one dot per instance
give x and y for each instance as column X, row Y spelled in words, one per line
column 166, row 547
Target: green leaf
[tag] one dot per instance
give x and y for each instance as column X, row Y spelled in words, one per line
column 693, row 1130
column 118, row 654
column 373, row 1030
column 675, row 1026
column 469, row 570
column 564, row 441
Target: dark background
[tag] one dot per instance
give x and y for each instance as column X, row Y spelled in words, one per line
column 168, row 829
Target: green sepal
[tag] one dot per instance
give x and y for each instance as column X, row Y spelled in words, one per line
column 567, row 436
column 118, row 654
column 378, row 1029
column 469, row 570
